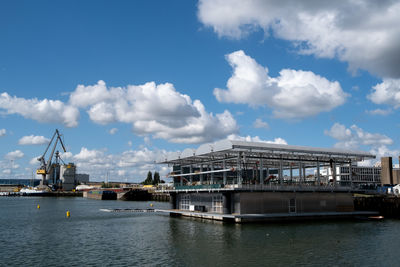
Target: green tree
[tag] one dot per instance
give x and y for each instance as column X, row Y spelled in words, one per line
column 149, row 179
column 106, row 185
column 156, row 179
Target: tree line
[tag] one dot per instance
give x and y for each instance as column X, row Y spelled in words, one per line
column 153, row 180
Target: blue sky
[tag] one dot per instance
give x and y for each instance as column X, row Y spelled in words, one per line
column 127, row 82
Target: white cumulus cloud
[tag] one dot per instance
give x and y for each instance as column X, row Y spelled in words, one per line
column 34, row 161
column 132, row 165
column 13, row 155
column 363, row 33
column 379, row 152
column 88, row 155
column 248, row 138
column 259, row 123
column 293, row 94
column 378, row 111
column 33, row 140
column 113, row 131
column 44, row 111
column 354, row 137
column 66, row 155
column 153, row 109
column 3, row 132
column 387, row 92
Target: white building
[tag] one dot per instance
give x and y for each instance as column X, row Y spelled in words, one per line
column 360, row 175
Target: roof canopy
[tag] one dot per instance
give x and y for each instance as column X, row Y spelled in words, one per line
column 252, row 152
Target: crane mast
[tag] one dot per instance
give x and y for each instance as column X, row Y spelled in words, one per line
column 46, row 167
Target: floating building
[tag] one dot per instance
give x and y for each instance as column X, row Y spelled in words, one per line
column 251, row 181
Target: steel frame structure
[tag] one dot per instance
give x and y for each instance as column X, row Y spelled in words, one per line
column 236, row 156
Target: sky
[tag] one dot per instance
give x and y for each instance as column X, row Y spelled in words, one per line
column 128, row 82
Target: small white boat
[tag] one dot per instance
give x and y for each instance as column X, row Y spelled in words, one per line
column 84, row 187
column 31, row 191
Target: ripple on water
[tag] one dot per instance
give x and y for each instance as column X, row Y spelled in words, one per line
column 45, row 237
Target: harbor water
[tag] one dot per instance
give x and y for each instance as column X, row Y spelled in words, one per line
column 35, row 231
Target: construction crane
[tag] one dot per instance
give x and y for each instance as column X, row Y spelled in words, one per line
column 46, row 167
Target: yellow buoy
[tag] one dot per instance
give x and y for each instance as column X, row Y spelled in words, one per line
column 151, row 204
column 38, row 206
column 68, row 213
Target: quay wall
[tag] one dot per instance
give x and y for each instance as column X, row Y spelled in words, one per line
column 129, row 195
column 387, row 206
column 100, row 194
column 160, row 197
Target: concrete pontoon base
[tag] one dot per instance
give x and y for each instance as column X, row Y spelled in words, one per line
column 244, row 218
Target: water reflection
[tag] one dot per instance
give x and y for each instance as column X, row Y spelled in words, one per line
column 91, row 238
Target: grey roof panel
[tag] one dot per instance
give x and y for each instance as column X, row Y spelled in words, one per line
column 263, row 147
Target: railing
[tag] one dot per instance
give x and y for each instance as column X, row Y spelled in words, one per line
column 296, row 187
column 195, row 187
column 261, row 187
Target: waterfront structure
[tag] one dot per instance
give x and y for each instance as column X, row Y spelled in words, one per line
column 387, row 170
column 390, row 172
column 69, row 178
column 246, row 181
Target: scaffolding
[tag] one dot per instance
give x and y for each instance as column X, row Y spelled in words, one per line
column 239, row 164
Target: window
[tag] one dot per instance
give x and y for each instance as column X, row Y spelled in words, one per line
column 292, row 205
column 217, row 204
column 185, row 202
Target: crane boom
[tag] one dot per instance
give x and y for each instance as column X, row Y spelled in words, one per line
column 45, row 167
column 47, row 148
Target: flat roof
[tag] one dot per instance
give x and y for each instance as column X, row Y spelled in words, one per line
column 229, row 150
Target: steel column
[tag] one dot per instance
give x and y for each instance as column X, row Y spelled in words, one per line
column 201, row 175
column 191, row 177
column 212, row 174
column 318, row 173
column 225, row 173
column 281, row 171
column 300, row 172
column 261, row 172
column 181, row 182
column 351, row 174
column 334, row 173
column 238, row 170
